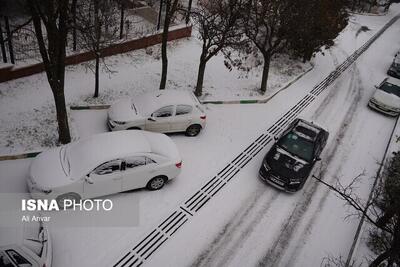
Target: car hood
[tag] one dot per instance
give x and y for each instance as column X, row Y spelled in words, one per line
column 46, row 171
column 283, row 166
column 123, row 111
column 390, row 100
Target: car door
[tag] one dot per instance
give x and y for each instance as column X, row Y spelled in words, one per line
column 160, row 120
column 182, row 118
column 136, row 172
column 104, row 180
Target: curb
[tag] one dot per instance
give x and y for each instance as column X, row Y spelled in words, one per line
column 19, row 156
column 241, row 101
column 92, row 107
column 260, row 101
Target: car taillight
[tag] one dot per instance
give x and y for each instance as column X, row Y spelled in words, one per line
column 203, row 117
column 179, row 164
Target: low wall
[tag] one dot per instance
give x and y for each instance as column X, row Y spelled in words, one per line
column 8, row 72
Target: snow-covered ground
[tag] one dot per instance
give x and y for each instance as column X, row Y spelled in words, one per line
column 247, row 222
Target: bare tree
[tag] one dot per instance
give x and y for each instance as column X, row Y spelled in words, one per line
column 171, row 7
column 53, row 15
column 97, row 31
column 265, row 27
column 217, row 22
column 381, row 210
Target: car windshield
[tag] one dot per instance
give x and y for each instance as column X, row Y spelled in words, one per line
column 297, row 146
column 390, row 88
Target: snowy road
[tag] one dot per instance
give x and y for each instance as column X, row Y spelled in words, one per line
column 273, row 229
column 249, row 223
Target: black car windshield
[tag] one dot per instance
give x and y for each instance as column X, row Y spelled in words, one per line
column 297, row 146
column 390, row 88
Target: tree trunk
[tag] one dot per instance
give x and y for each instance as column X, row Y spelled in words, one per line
column 74, row 25
column 159, row 14
column 121, row 23
column 97, row 28
column 62, row 117
column 200, row 76
column 9, row 37
column 188, row 11
column 164, row 56
column 96, row 77
column 3, row 47
column 264, row 80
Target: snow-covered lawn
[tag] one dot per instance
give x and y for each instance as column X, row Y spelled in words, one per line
column 247, row 222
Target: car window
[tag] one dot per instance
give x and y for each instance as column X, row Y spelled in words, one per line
column 4, row 260
column 133, row 162
column 108, row 167
column 164, row 112
column 149, row 161
column 183, row 109
column 17, row 258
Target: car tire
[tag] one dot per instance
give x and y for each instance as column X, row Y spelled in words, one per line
column 72, row 196
column 156, row 183
column 193, row 130
column 134, row 128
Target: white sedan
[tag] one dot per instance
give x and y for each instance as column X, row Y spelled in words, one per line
column 386, row 98
column 25, row 244
column 104, row 164
column 163, row 111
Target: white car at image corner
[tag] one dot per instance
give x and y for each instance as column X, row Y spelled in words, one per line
column 386, row 98
column 104, row 164
column 25, row 244
column 163, row 111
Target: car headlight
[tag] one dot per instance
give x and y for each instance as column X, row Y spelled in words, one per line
column 266, row 166
column 297, row 167
column 120, row 122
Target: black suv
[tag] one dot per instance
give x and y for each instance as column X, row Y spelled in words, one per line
column 289, row 162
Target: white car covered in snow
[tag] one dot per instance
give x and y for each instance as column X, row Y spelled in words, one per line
column 104, row 164
column 25, row 244
column 386, row 98
column 163, row 111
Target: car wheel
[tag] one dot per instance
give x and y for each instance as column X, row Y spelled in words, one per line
column 134, row 128
column 74, row 197
column 156, row 183
column 193, row 130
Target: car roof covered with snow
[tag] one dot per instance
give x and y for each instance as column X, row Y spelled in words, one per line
column 87, row 154
column 149, row 102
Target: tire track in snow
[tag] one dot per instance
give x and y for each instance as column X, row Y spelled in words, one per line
column 343, row 158
column 238, row 229
column 284, row 237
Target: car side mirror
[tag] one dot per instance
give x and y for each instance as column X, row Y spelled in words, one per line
column 318, row 159
column 376, row 86
column 89, row 180
column 151, row 119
